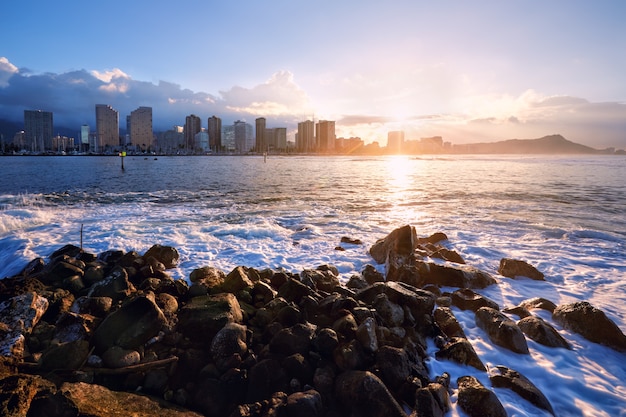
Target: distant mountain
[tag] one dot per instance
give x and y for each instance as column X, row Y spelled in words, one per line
column 553, row 144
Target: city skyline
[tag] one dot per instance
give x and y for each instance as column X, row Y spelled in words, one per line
column 485, row 71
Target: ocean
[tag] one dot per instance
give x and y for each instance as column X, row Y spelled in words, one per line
column 566, row 215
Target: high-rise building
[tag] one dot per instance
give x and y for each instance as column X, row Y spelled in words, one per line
column 214, row 128
column 395, row 141
column 305, row 138
column 228, row 138
column 38, row 130
column 325, row 133
column 244, row 141
column 193, row 125
column 280, row 137
column 261, row 140
column 140, row 128
column 107, row 128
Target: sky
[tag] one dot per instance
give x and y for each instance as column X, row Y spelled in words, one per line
column 477, row 71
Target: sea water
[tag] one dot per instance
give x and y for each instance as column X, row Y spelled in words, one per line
column 566, row 215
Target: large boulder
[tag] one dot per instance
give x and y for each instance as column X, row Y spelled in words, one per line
column 432, row 400
column 501, row 330
column 202, row 317
column 590, row 322
column 362, row 393
column 478, row 401
column 19, row 315
column 18, row 392
column 513, row 268
column 467, row 299
column 115, row 286
column 503, row 377
column 453, row 275
column 167, row 255
column 131, row 326
column 447, row 322
column 400, row 242
column 460, row 350
column 542, row 332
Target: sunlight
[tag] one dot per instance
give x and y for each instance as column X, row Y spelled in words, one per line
column 399, row 175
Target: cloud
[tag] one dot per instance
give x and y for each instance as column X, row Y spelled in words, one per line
column 6, row 71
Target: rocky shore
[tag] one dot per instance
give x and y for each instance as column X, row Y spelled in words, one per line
column 113, row 334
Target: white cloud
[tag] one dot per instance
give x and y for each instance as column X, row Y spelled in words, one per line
column 7, row 70
column 107, row 76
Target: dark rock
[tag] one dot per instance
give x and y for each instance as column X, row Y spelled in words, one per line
column 501, row 330
column 346, row 327
column 293, row 291
column 366, row 335
column 391, row 313
column 18, row 391
column 295, row 339
column 115, row 286
column 110, row 256
column 262, row 293
column 325, row 281
column 393, row 365
column 513, row 268
column 298, row 367
column 371, row 275
column 130, row 326
column 401, row 241
column 434, row 238
column 59, row 271
column 117, row 357
column 49, row 404
column 518, row 311
column 447, row 255
column 591, row 323
column 265, row 378
column 448, row 275
column 229, row 341
column 350, row 240
column 447, row 323
column 431, row 401
column 208, row 276
column 478, row 401
column 466, row 299
column 167, row 255
column 97, row 401
column 236, row 281
column 304, row 404
column 362, row 393
column 167, row 303
column 356, row 283
column 326, row 341
column 20, row 314
column 503, row 377
column 204, row 316
column 460, row 350
column 33, row 267
column 95, row 306
column 541, row 332
column 349, row 355
column 538, row 302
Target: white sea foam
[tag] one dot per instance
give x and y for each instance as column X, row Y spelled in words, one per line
column 292, row 212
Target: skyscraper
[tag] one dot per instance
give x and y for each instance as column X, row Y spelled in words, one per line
column 261, row 139
column 107, row 127
column 193, row 125
column 244, row 141
column 38, row 130
column 305, row 139
column 325, row 132
column 141, row 127
column 214, row 128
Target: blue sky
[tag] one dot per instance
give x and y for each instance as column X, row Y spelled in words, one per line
column 468, row 71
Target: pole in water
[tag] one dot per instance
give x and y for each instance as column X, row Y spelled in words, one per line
column 81, row 236
column 122, row 155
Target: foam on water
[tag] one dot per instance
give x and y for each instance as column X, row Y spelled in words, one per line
column 292, row 212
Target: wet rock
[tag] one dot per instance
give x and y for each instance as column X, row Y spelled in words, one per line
column 454, row 275
column 447, row 255
column 236, row 281
column 60, row 270
column 362, row 393
column 501, row 330
column 591, row 323
column 503, row 377
column 167, row 255
column 538, row 302
column 542, row 332
column 265, row 378
column 394, row 366
column 117, row 357
column 325, row 281
column 208, row 276
column 513, row 268
column 97, row 401
column 131, row 326
column 20, row 315
column 371, row 275
column 356, row 283
column 366, row 335
column 431, row 401
column 229, row 341
column 304, row 404
column 262, row 293
column 293, row 291
column 401, row 241
column 478, row 401
column 115, row 286
column 447, row 323
column 432, row 239
column 518, row 311
column 202, row 317
column 466, row 299
column 460, row 350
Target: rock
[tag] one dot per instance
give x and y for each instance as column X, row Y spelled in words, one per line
column 95, row 306
column 453, row 275
column 538, row 302
column 229, row 341
column 394, row 366
column 501, row 330
column 391, row 313
column 460, row 350
column 131, row 326
column 117, row 357
column 518, row 311
column 294, row 339
column 590, row 322
column 503, row 377
column 366, row 335
column 356, row 283
column 325, row 281
column 71, row 327
column 97, row 401
column 115, row 286
column 478, row 401
column 434, row 238
column 167, row 303
column 266, row 378
column 59, row 271
column 431, row 401
column 204, row 316
column 20, row 314
column 208, row 276
column 18, row 392
column 541, row 332
column 466, row 299
column 513, row 268
column 371, row 275
column 447, row 323
column 167, row 255
column 400, row 242
column 362, row 393
column 236, row 281
column 293, row 291
column 304, row 404
column 262, row 293
column 65, row 356
column 326, row 341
